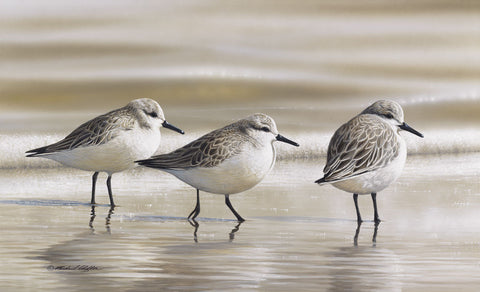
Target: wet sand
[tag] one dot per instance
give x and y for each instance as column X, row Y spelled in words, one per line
column 297, row 236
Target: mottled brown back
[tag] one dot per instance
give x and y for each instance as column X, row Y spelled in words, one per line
column 207, row 151
column 94, row 132
column 363, row 144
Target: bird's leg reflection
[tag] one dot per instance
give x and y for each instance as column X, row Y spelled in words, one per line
column 195, row 225
column 374, row 239
column 357, row 232
column 235, row 229
column 92, row 218
column 107, row 219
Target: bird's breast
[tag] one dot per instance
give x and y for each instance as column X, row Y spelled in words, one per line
column 379, row 179
column 234, row 175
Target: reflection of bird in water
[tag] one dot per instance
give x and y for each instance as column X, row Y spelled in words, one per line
column 195, row 225
column 234, row 230
column 364, row 268
column 107, row 219
column 357, row 232
column 104, row 253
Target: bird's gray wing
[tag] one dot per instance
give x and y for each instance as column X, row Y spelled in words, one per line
column 94, row 132
column 207, row 151
column 363, row 144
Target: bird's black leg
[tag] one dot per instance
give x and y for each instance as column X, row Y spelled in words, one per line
column 109, row 186
column 355, row 199
column 94, row 183
column 195, row 211
column 227, row 201
column 375, row 210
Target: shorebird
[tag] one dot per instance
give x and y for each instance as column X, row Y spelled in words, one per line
column 367, row 154
column 225, row 161
column 111, row 142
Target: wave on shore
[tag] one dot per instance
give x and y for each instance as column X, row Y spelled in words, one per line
column 312, row 146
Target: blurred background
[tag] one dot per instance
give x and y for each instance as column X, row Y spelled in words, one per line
column 310, row 64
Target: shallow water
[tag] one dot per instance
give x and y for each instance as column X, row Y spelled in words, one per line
column 311, row 65
column 297, row 236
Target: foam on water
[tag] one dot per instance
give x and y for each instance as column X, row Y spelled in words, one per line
column 313, row 145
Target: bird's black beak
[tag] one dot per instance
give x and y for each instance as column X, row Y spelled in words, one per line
column 286, row 140
column 165, row 124
column 406, row 127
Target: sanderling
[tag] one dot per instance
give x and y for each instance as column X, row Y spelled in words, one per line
column 111, row 142
column 225, row 161
column 366, row 154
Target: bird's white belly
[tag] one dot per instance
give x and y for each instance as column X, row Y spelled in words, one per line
column 234, row 175
column 116, row 155
column 375, row 181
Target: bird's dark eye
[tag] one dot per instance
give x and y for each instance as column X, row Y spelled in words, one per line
column 389, row 116
column 153, row 114
column 265, row 129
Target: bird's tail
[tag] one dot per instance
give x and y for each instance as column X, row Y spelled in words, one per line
column 36, row 152
column 150, row 162
column 143, row 162
column 321, row 181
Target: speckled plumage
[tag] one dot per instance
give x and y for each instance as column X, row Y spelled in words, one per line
column 225, row 161
column 366, row 154
column 103, row 128
column 110, row 142
column 207, row 151
column 363, row 144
